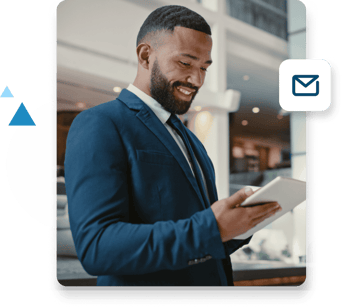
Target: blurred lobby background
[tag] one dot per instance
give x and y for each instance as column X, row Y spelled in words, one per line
column 236, row 114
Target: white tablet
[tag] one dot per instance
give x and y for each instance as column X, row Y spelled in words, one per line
column 288, row 192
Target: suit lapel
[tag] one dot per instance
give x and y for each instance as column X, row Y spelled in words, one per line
column 151, row 121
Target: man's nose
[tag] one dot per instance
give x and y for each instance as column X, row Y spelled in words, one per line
column 196, row 78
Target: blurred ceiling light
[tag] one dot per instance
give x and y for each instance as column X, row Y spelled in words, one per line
column 238, row 152
column 81, row 105
column 244, row 123
column 117, row 89
column 246, row 78
column 255, row 110
column 198, row 108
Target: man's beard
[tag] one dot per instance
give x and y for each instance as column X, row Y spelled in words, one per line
column 163, row 91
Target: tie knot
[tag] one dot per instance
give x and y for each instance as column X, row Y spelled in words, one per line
column 173, row 120
column 176, row 124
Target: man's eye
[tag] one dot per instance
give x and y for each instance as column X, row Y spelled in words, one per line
column 185, row 64
column 203, row 68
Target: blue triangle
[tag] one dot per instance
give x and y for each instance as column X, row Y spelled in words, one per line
column 6, row 93
column 22, row 118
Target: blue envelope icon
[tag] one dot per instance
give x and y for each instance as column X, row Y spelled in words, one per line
column 302, row 85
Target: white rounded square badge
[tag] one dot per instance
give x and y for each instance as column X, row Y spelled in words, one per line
column 305, row 85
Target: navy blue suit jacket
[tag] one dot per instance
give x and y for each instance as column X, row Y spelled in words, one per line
column 136, row 214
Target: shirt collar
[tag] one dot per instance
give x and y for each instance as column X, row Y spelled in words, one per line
column 154, row 105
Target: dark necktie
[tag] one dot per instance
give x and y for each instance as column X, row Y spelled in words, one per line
column 177, row 125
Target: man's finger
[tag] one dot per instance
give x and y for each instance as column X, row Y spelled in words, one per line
column 238, row 197
column 262, row 218
column 262, row 210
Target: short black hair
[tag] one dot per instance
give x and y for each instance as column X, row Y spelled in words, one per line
column 168, row 17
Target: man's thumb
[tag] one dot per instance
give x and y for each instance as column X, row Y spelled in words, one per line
column 239, row 197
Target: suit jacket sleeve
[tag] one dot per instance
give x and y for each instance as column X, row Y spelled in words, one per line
column 233, row 245
column 97, row 182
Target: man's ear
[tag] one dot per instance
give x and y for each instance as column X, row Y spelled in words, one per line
column 144, row 53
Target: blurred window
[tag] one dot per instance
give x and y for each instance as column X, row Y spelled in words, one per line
column 208, row 4
column 267, row 15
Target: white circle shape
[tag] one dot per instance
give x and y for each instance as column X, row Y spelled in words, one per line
column 31, row 166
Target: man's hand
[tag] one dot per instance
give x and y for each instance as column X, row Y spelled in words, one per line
column 234, row 220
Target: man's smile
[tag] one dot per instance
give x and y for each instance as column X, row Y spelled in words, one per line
column 185, row 90
column 185, row 93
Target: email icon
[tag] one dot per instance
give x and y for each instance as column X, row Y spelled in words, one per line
column 303, row 85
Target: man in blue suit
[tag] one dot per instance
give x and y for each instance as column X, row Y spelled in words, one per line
column 143, row 205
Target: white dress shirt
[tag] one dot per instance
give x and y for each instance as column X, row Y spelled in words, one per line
column 163, row 116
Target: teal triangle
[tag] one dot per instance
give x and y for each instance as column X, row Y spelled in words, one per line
column 22, row 118
column 6, row 93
